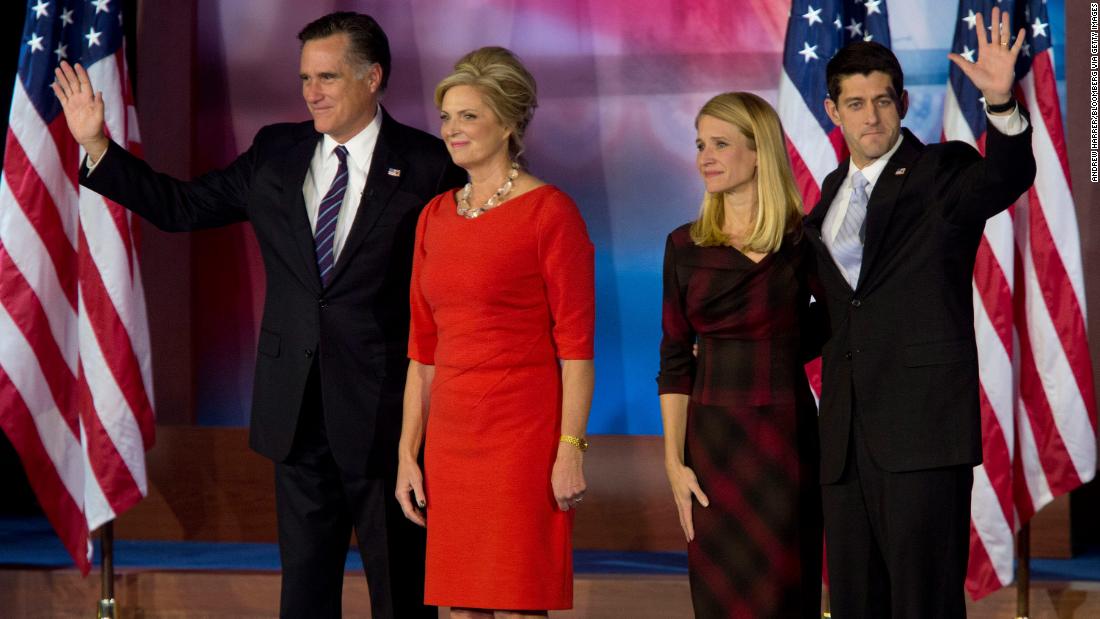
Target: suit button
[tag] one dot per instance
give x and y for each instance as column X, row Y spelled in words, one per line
column 856, row 302
column 848, row 355
column 309, row 353
column 323, row 302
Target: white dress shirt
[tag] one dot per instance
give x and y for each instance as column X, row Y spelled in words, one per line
column 322, row 169
column 1011, row 124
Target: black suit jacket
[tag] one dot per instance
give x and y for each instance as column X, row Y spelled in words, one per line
column 356, row 328
column 902, row 343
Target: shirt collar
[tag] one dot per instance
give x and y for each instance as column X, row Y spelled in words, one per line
column 872, row 170
column 361, row 147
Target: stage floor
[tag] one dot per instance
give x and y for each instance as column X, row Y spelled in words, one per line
column 146, row 594
column 223, row 580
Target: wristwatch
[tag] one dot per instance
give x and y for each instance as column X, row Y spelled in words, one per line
column 1001, row 108
column 577, row 442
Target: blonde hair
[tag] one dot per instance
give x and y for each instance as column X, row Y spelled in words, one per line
column 508, row 88
column 778, row 203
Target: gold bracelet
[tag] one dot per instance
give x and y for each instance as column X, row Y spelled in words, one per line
column 577, row 442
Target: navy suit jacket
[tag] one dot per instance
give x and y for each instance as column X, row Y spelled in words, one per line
column 902, row 342
column 356, row 328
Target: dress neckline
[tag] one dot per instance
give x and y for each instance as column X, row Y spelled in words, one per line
column 746, row 256
column 454, row 202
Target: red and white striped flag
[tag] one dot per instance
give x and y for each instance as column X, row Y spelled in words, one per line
column 1038, row 406
column 75, row 376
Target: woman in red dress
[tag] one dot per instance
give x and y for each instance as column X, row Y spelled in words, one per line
column 500, row 374
column 740, row 421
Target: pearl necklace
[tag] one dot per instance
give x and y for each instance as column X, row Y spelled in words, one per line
column 467, row 211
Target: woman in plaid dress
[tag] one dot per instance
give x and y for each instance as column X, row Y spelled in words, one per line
column 739, row 417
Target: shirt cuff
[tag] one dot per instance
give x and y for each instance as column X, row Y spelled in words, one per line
column 1013, row 124
column 92, row 166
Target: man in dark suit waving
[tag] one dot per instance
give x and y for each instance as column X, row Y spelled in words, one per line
column 334, row 205
column 896, row 233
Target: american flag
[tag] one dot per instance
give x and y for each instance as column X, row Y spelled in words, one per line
column 75, row 376
column 1038, row 406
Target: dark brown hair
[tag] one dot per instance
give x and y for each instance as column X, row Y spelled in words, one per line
column 863, row 58
column 367, row 42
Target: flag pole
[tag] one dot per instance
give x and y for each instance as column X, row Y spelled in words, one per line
column 1023, row 571
column 107, row 571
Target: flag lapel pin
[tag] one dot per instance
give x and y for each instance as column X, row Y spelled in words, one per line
column 394, row 172
column 899, row 172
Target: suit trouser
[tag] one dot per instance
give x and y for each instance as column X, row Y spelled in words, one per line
column 318, row 504
column 896, row 544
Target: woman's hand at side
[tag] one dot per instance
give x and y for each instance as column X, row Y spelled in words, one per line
column 578, row 378
column 410, row 479
column 674, row 409
column 410, row 490
column 567, row 476
column 684, row 487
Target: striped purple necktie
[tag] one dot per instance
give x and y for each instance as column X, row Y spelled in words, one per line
column 327, row 213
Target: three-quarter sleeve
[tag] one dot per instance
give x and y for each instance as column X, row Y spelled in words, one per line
column 677, row 374
column 567, row 259
column 423, row 335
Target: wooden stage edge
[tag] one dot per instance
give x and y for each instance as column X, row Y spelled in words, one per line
column 205, row 484
column 145, row 594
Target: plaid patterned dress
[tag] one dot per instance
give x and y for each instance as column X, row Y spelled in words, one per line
column 751, row 428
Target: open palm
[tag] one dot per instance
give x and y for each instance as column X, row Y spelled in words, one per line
column 995, row 70
column 83, row 106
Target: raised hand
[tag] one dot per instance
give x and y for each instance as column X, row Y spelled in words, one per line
column 83, row 108
column 995, row 70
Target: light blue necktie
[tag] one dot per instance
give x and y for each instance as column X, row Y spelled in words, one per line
column 325, row 233
column 848, row 246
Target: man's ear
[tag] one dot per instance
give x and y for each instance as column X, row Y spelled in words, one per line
column 830, row 109
column 374, row 77
column 903, row 104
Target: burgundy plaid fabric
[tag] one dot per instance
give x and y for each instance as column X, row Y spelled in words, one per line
column 752, row 427
column 325, row 232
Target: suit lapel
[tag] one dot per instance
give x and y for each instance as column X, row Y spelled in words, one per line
column 386, row 170
column 828, row 193
column 816, row 218
column 295, row 167
column 883, row 199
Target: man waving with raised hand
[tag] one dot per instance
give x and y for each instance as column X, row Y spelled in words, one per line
column 896, row 233
column 334, row 204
